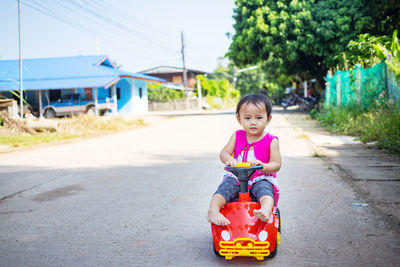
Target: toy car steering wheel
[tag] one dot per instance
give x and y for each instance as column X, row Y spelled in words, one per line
column 243, row 172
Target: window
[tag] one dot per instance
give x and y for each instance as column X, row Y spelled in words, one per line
column 118, row 93
column 140, row 92
column 55, row 95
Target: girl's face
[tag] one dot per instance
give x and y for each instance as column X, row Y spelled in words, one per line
column 253, row 119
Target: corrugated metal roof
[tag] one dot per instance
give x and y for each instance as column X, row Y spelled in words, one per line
column 63, row 73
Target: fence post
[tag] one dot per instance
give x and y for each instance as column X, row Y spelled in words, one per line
column 358, row 84
column 328, row 89
column 305, row 88
column 338, row 90
column 386, row 81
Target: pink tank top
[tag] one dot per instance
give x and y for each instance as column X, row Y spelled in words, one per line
column 261, row 152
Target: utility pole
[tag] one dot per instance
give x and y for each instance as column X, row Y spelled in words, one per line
column 21, row 93
column 184, row 71
column 183, row 61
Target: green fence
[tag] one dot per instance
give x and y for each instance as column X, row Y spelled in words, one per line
column 361, row 86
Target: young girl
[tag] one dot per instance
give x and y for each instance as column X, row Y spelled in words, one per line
column 254, row 145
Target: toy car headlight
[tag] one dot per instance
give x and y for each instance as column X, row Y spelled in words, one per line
column 263, row 235
column 225, row 235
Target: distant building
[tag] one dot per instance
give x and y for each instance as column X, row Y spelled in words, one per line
column 48, row 79
column 174, row 76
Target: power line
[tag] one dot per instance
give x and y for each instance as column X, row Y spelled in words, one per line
column 47, row 12
column 117, row 25
column 92, row 14
column 121, row 14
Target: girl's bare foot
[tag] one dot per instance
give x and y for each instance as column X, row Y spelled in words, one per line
column 262, row 214
column 215, row 217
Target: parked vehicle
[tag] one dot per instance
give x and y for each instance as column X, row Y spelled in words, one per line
column 313, row 101
column 73, row 104
column 304, row 103
column 290, row 100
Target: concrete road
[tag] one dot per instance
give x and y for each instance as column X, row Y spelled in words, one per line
column 140, row 198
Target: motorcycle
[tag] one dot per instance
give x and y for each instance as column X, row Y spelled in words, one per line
column 312, row 101
column 304, row 103
column 290, row 100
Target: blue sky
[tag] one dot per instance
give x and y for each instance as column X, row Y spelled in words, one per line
column 136, row 34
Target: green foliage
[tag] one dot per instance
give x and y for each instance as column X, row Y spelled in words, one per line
column 217, row 87
column 250, row 82
column 392, row 55
column 313, row 114
column 380, row 124
column 158, row 92
column 363, row 51
column 17, row 95
column 305, row 37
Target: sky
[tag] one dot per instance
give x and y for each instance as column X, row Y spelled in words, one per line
column 137, row 35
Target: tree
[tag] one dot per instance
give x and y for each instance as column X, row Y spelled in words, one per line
column 215, row 86
column 303, row 37
column 158, row 92
column 252, row 81
column 392, row 55
column 362, row 50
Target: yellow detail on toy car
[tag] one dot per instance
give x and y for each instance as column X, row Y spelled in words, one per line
column 278, row 239
column 243, row 164
column 244, row 247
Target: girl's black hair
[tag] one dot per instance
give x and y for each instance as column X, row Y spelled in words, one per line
column 255, row 99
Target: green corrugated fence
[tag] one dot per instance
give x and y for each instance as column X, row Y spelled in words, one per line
column 361, row 86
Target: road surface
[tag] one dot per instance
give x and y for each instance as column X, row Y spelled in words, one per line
column 140, row 198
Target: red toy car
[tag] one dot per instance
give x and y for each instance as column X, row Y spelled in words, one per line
column 246, row 235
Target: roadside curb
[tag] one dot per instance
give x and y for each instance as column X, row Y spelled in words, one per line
column 367, row 170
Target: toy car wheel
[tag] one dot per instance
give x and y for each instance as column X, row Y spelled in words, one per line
column 278, row 214
column 49, row 113
column 216, row 252
column 273, row 253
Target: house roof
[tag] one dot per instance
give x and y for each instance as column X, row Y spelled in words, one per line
column 64, row 73
column 169, row 69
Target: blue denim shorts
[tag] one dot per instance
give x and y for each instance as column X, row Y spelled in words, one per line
column 229, row 189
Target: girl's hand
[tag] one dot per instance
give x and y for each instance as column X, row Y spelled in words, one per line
column 256, row 162
column 231, row 162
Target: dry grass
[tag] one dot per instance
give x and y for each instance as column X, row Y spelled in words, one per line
column 15, row 125
column 67, row 128
column 88, row 125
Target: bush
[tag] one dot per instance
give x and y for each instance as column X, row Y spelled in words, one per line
column 380, row 123
column 218, row 93
column 158, row 92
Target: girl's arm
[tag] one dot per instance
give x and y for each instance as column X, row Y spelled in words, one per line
column 275, row 161
column 227, row 151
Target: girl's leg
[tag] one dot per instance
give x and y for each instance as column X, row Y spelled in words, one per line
column 227, row 191
column 264, row 213
column 263, row 191
column 214, row 216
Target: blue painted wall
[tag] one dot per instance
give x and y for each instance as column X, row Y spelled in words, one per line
column 125, row 93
